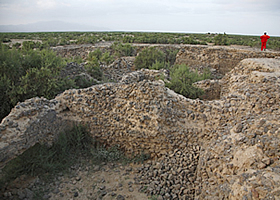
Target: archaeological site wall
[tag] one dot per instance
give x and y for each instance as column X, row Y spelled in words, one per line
column 226, row 148
column 219, row 59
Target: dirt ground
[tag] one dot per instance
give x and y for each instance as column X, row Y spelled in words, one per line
column 106, row 182
column 84, row 181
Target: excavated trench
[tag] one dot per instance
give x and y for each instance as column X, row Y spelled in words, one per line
column 192, row 143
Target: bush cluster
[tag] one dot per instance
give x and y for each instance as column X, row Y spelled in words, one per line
column 221, row 39
column 182, row 79
column 93, row 61
column 154, row 58
column 27, row 73
column 148, row 57
column 121, row 49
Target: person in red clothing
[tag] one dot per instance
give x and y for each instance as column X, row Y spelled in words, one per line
column 264, row 39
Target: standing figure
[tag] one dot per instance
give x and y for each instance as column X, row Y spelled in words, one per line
column 264, row 39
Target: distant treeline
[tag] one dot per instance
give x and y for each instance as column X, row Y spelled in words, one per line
column 51, row 39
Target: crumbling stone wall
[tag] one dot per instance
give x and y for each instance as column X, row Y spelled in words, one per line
column 226, row 148
column 119, row 68
column 132, row 114
column 211, row 88
column 35, row 120
column 71, row 51
column 219, row 59
column 243, row 161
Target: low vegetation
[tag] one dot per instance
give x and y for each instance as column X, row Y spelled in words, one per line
column 28, row 73
column 52, row 39
column 148, row 57
column 154, row 58
column 182, row 79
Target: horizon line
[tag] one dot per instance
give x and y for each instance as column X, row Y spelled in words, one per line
column 147, row 31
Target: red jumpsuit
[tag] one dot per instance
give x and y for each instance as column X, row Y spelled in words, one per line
column 264, row 39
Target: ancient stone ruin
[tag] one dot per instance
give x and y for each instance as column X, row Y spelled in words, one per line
column 223, row 147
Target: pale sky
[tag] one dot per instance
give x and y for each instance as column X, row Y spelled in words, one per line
column 196, row 16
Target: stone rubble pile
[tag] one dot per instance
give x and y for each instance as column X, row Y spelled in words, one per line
column 145, row 74
column 244, row 159
column 172, row 176
column 77, row 72
column 115, row 71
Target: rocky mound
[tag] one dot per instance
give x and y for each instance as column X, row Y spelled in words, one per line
column 118, row 68
column 221, row 149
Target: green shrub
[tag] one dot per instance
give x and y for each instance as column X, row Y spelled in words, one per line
column 17, row 45
column 78, row 59
column 153, row 58
column 40, row 76
column 10, row 63
column 159, row 65
column 171, row 56
column 96, row 54
column 221, row 39
column 28, row 45
column 182, row 79
column 94, row 70
column 38, row 82
column 106, row 58
column 92, row 66
column 123, row 49
column 128, row 39
column 148, row 57
column 30, row 73
column 6, row 105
